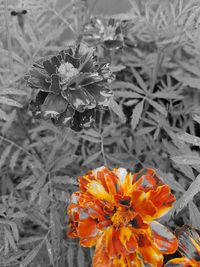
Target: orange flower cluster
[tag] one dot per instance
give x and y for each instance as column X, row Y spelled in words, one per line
column 115, row 211
column 189, row 247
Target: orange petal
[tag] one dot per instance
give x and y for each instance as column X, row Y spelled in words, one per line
column 87, row 228
column 100, row 257
column 189, row 242
column 162, row 199
column 146, row 179
column 142, row 206
column 149, row 252
column 166, row 242
column 181, row 262
column 120, row 241
column 97, row 190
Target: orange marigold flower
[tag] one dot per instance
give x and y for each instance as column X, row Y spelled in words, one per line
column 115, row 211
column 189, row 247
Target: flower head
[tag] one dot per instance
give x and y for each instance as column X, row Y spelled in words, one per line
column 115, row 211
column 108, row 32
column 189, row 247
column 71, row 85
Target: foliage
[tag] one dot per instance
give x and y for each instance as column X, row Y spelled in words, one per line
column 152, row 121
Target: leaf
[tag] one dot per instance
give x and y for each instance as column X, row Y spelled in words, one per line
column 193, row 189
column 70, row 256
column 139, row 80
column 194, row 215
column 64, row 180
column 157, row 106
column 117, row 109
column 136, row 115
column 31, row 255
column 191, row 139
column 4, row 155
column 91, row 158
column 14, row 158
column 187, row 159
column 10, row 239
column 169, row 179
column 80, row 258
column 9, row 102
column 3, row 115
column 55, row 227
column 49, row 250
column 145, row 130
column 12, row 91
column 26, row 182
column 167, row 95
column 125, row 85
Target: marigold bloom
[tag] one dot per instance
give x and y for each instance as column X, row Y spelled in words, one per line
column 108, row 32
column 189, row 247
column 71, row 85
column 115, row 211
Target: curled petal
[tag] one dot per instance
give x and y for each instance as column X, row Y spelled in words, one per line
column 97, row 190
column 181, row 262
column 55, row 84
column 53, row 105
column 189, row 242
column 166, row 242
column 49, row 67
column 162, row 199
column 146, row 179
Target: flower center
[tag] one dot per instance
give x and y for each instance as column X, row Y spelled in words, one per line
column 67, row 71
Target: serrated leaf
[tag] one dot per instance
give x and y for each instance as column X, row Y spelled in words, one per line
column 193, row 189
column 3, row 115
column 157, row 106
column 14, row 159
column 191, row 139
column 11, row 91
column 80, row 258
column 91, row 158
column 26, row 182
column 194, row 215
column 187, row 159
column 10, row 239
column 117, row 109
column 136, row 115
column 139, row 80
column 4, row 155
column 167, row 95
column 9, row 102
column 31, row 255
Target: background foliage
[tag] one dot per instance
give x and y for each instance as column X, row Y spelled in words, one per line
column 153, row 121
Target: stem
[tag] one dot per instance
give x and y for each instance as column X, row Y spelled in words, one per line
column 80, row 32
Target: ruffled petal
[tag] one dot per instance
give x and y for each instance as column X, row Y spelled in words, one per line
column 146, row 180
column 65, row 118
column 37, row 80
column 97, row 190
column 119, row 241
column 149, row 252
column 101, row 93
column 181, row 262
column 83, row 119
column 79, row 99
column 189, row 242
column 166, row 242
column 53, row 106
column 49, row 67
column 55, row 84
column 162, row 199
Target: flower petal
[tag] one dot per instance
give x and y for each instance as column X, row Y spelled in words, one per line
column 166, row 242
column 53, row 106
column 65, row 118
column 146, row 179
column 79, row 99
column 55, row 84
column 83, row 119
column 181, row 262
column 37, row 80
column 100, row 93
column 49, row 67
column 97, row 190
column 189, row 242
column 162, row 199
